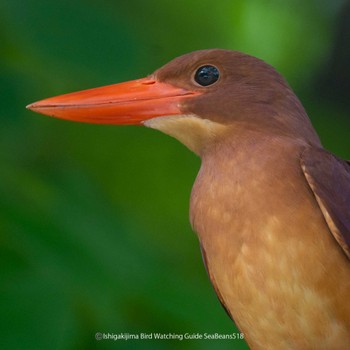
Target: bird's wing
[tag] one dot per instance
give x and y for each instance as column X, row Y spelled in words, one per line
column 329, row 179
column 213, row 282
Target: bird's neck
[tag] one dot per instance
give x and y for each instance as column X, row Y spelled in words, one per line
column 240, row 168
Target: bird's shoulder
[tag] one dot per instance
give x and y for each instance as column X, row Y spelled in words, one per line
column 329, row 179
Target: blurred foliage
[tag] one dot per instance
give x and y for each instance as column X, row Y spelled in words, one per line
column 94, row 219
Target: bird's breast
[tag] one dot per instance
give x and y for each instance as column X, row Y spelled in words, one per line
column 268, row 248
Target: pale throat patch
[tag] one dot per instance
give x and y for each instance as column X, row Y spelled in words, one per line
column 194, row 132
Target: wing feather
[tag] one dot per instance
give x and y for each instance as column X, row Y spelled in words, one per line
column 329, row 179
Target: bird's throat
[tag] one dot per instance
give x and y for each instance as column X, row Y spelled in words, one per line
column 194, row 132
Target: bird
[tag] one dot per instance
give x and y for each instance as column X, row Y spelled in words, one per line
column 270, row 205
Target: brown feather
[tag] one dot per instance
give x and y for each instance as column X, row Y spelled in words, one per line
column 329, row 179
column 213, row 282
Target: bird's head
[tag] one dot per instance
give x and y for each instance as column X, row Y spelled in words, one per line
column 195, row 98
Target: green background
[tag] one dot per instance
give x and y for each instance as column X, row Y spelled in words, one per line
column 94, row 231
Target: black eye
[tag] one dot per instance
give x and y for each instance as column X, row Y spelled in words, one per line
column 206, row 75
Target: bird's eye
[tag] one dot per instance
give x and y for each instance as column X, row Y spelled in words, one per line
column 206, row 75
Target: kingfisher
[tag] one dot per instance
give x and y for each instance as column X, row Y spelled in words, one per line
column 270, row 206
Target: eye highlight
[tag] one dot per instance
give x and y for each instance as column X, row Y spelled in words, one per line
column 206, row 75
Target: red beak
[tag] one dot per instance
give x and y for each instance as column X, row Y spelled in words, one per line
column 131, row 102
